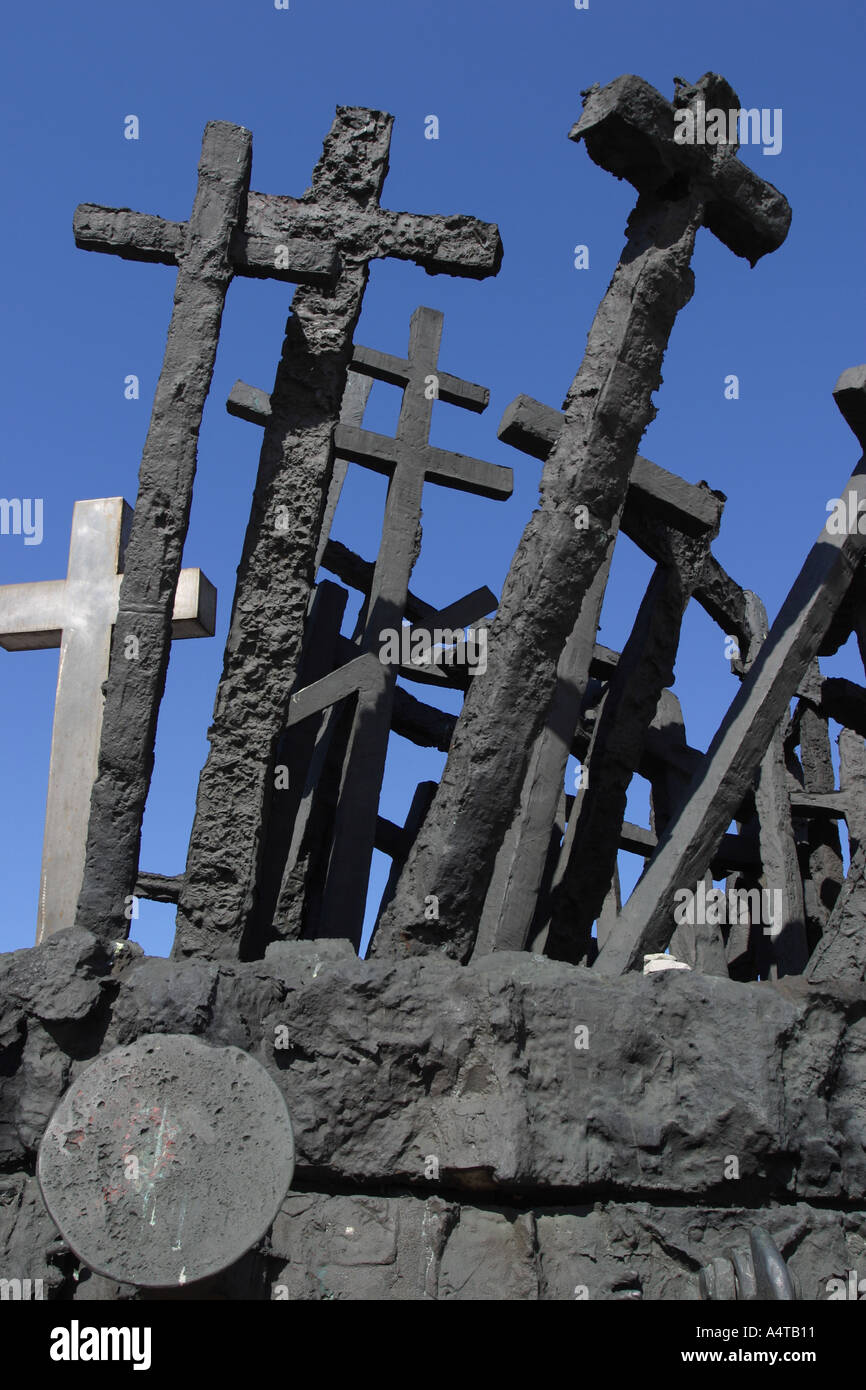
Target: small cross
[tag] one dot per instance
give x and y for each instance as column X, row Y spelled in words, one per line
column 76, row 614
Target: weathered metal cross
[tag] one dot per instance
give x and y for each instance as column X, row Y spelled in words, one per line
column 217, row 242
column 76, row 614
column 277, row 567
column 628, row 128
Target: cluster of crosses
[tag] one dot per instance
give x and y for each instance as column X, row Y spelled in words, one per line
column 286, row 817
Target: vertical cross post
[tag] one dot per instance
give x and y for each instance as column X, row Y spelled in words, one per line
column 155, row 549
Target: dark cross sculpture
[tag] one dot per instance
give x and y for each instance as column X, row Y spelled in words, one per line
column 738, row 749
column 213, row 245
column 644, row 669
column 657, row 503
column 408, row 460
column 628, row 128
column 277, row 567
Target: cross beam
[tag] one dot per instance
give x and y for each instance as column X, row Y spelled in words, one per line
column 138, row 236
column 76, row 615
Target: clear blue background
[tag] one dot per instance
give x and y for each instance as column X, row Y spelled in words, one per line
column 504, row 80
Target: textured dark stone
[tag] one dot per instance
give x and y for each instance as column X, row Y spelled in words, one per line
column 645, row 668
column 385, row 1065
column 437, row 1098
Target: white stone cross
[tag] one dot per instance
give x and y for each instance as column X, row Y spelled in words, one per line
column 76, row 614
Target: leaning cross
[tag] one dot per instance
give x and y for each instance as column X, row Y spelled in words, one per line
column 733, row 758
column 628, row 128
column 214, row 244
column 76, row 614
column 277, row 567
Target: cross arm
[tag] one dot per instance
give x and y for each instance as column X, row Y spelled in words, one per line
column 364, row 673
column 382, row 366
column 32, row 615
column 139, row 236
column 849, row 393
column 455, row 245
column 357, row 572
column 254, row 405
column 195, row 606
column 423, row 724
column 467, row 474
column 377, row 452
column 135, row 236
column 373, row 451
column 158, row 888
column 533, row 428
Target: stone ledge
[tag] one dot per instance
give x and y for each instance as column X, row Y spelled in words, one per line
column 424, row 1074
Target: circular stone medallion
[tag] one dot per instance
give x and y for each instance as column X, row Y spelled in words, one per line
column 167, row 1160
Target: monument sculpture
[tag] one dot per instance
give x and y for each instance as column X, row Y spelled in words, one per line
column 507, row 1098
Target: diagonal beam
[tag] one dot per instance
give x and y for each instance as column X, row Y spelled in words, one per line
column 733, row 759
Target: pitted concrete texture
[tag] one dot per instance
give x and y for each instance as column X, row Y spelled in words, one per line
column 514, row 1072
column 348, row 1247
column 166, row 1160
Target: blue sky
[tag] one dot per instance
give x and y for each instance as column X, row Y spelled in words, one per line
column 504, row 80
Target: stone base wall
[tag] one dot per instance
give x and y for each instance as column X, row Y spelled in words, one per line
column 513, row 1129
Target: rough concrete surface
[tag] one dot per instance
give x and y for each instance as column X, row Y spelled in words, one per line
column 510, row 1129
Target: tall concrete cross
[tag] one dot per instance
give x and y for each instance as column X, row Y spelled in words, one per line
column 628, row 128
column 277, row 567
column 76, row 614
column 219, row 240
